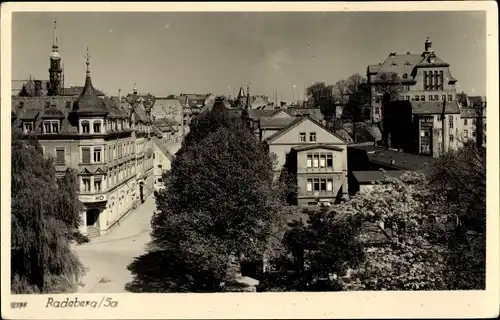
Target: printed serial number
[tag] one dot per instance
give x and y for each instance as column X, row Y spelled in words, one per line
column 18, row 305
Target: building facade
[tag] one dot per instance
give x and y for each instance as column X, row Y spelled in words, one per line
column 420, row 77
column 316, row 156
column 106, row 141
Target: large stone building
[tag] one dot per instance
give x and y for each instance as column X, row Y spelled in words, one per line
column 106, row 141
column 422, row 77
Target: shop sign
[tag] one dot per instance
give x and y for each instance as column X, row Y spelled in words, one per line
column 93, row 198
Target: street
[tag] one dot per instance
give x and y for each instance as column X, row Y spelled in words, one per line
column 107, row 257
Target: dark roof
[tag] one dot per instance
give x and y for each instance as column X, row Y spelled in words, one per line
column 434, row 107
column 317, row 146
column 29, row 108
column 88, row 101
column 398, row 160
column 275, row 123
column 77, row 90
column 363, row 177
column 117, row 109
column 470, row 113
column 255, row 114
column 365, row 146
column 405, row 65
column 52, row 112
column 313, row 112
column 29, row 114
column 476, row 100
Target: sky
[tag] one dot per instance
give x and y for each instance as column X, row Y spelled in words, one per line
column 217, row 52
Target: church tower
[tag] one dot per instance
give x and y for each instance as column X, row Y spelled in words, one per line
column 55, row 70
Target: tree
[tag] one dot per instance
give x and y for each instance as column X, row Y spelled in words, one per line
column 462, row 98
column 407, row 215
column 44, row 218
column 221, row 207
column 460, row 176
column 340, row 91
column 389, row 84
column 354, row 82
column 321, row 96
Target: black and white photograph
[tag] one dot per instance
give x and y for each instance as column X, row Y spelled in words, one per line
column 247, row 153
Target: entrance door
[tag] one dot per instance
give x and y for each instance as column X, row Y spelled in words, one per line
column 93, row 229
column 92, row 218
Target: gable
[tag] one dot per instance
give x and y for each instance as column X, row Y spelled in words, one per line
column 85, row 171
column 323, row 136
column 282, row 114
column 99, row 171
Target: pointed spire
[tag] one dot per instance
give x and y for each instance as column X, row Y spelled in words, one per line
column 87, row 62
column 54, row 37
column 135, row 88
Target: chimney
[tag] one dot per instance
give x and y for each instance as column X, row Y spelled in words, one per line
column 392, row 54
column 428, row 45
column 119, row 94
column 38, row 88
column 408, row 52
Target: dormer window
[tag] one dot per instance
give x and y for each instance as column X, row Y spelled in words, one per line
column 97, row 126
column 55, row 126
column 50, row 126
column 85, row 126
column 68, row 104
column 28, row 127
column 405, row 76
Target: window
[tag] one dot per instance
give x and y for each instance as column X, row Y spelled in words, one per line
column 159, row 166
column 443, row 97
column 430, row 98
column 68, row 104
column 46, row 127
column 97, row 127
column 466, row 133
column 302, row 137
column 323, row 184
column 451, row 122
column 154, row 156
column 465, row 122
column 417, row 98
column 97, row 155
column 312, row 136
column 450, row 97
column 329, row 160
column 85, row 127
column 28, row 127
column 85, row 155
column 329, row 185
column 85, row 183
column 309, row 185
column 474, row 133
column 377, row 110
column 407, row 98
column 452, row 138
column 474, row 121
column 436, row 97
column 114, row 152
column 316, row 184
column 377, row 99
column 322, row 160
column 97, row 184
column 60, row 156
column 422, row 97
column 309, row 160
column 315, row 161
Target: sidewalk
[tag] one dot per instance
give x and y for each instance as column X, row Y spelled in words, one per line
column 108, row 256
